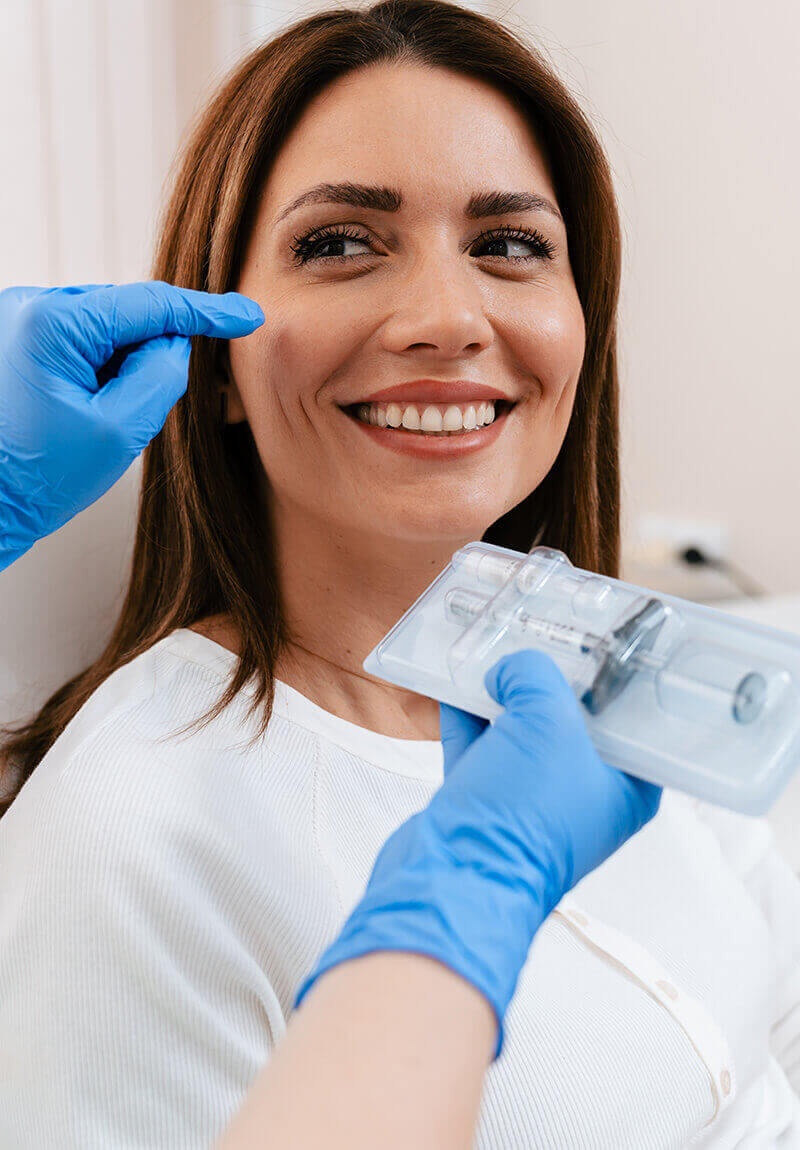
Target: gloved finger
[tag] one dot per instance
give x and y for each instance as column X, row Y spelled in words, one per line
column 529, row 684
column 458, row 730
column 149, row 383
column 524, row 680
column 129, row 313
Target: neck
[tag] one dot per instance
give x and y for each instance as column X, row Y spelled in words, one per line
column 341, row 594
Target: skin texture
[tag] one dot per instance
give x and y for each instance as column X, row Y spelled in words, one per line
column 360, row 530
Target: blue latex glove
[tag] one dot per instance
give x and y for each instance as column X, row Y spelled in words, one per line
column 64, row 438
column 526, row 809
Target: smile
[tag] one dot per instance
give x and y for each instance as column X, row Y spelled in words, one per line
column 432, row 431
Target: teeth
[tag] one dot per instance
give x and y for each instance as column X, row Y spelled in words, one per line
column 430, row 420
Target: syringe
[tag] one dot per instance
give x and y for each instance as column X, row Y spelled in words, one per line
column 621, row 654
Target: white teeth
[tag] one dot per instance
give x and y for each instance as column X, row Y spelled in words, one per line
column 452, row 419
column 433, row 420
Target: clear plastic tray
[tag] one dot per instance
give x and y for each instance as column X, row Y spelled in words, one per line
column 673, row 692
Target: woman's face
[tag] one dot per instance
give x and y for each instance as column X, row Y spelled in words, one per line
column 423, row 291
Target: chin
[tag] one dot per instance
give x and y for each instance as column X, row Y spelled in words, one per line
column 441, row 527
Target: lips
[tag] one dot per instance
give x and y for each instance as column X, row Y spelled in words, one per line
column 458, row 391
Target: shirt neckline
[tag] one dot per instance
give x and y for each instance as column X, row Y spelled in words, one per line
column 415, row 758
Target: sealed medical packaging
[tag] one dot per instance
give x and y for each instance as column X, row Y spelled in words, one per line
column 673, row 692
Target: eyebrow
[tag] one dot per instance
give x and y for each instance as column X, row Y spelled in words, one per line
column 381, row 199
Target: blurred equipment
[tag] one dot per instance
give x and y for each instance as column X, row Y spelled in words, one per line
column 685, row 557
column 694, row 557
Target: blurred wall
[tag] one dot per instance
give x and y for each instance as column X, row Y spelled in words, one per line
column 697, row 105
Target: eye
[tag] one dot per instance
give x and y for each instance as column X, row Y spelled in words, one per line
column 308, row 247
column 544, row 248
column 311, row 245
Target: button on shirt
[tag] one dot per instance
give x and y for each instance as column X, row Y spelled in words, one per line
column 162, row 897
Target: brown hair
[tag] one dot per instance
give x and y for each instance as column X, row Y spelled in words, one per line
column 203, row 544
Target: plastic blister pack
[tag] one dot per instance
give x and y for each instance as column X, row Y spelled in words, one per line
column 673, row 692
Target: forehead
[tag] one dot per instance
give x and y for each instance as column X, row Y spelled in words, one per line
column 435, row 134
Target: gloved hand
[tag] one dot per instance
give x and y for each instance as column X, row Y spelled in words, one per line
column 64, row 438
column 526, row 809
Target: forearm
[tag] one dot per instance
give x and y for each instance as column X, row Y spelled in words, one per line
column 388, row 1050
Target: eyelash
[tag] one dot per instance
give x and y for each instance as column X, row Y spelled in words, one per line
column 304, row 246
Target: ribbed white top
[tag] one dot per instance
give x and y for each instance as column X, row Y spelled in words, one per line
column 162, row 897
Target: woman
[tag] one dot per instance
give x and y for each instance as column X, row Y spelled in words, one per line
column 275, row 549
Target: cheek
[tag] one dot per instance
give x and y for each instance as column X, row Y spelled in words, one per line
column 296, row 351
column 550, row 342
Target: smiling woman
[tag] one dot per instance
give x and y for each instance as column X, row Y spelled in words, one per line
column 410, row 193
column 428, row 223
column 403, row 277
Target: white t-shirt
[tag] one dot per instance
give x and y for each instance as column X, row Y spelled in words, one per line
column 162, row 898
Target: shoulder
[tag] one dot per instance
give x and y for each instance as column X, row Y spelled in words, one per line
column 122, row 812
column 136, row 753
column 162, row 685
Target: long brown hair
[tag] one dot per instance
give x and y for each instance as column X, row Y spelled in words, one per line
column 203, row 543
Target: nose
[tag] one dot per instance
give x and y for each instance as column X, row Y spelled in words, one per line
column 438, row 309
